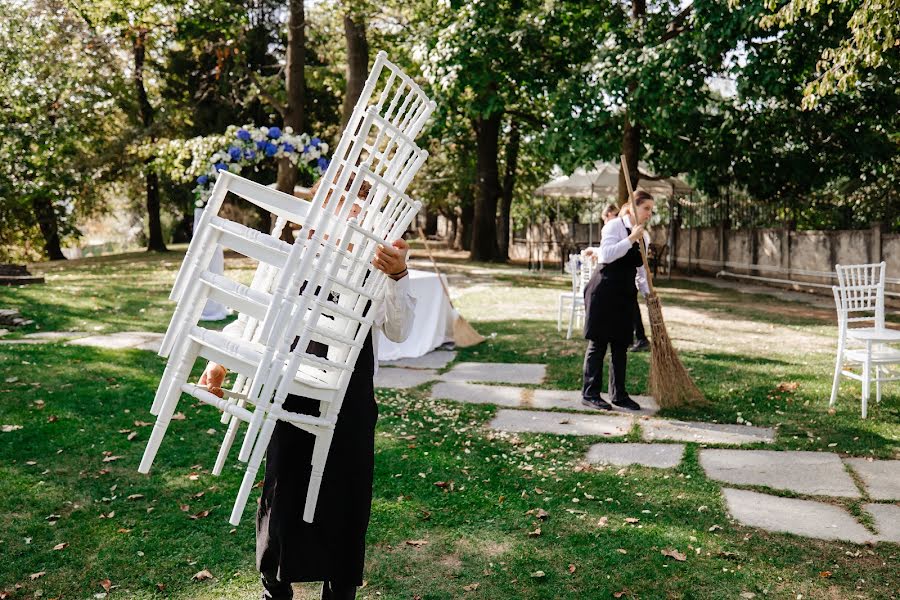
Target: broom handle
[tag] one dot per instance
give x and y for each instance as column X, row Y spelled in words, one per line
column 634, row 216
column 434, row 264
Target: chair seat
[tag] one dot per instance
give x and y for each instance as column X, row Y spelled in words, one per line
column 875, row 334
column 879, row 355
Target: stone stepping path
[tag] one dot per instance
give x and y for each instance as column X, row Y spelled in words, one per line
column 881, row 477
column 528, row 421
column 436, row 359
column 497, row 373
column 397, row 378
column 662, row 456
column 800, row 517
column 887, row 521
column 134, row 340
column 706, row 433
column 811, row 473
column 517, row 397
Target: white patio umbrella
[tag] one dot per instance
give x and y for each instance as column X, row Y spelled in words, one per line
column 603, row 180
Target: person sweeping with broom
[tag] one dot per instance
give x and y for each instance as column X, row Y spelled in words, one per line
column 610, row 300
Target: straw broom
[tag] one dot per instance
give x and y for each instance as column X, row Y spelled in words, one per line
column 670, row 382
column 464, row 335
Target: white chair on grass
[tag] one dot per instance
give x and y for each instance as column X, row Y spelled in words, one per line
column 289, row 304
column 863, row 339
column 573, row 268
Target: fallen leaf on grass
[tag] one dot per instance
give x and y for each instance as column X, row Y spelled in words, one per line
column 142, row 424
column 52, row 419
column 103, row 472
column 672, row 553
column 471, row 587
column 441, row 484
column 572, row 568
column 632, row 520
column 106, row 584
column 603, row 522
column 161, row 587
column 200, row 515
column 194, row 476
column 535, row 533
column 179, row 416
column 787, row 386
column 184, row 508
column 537, row 574
column 621, row 594
column 825, row 574
column 123, row 530
column 621, row 550
column 52, row 518
column 132, row 435
column 714, row 528
column 39, row 404
column 538, row 513
column 135, row 496
column 111, row 514
column 416, row 543
column 4, row 595
column 38, row 575
column 61, row 546
column 111, row 458
column 202, row 575
column 9, row 428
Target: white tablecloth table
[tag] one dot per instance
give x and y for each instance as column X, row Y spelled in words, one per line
column 432, row 325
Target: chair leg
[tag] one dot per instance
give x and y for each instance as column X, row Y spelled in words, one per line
column 866, row 375
column 226, row 445
column 319, row 457
column 259, row 450
column 169, row 403
column 571, row 320
column 878, row 373
column 165, row 382
column 838, row 367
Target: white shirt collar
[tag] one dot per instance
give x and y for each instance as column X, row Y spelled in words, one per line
column 626, row 221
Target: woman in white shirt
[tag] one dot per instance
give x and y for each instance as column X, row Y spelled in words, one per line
column 332, row 548
column 610, row 300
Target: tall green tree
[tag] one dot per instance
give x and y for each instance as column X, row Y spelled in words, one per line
column 62, row 128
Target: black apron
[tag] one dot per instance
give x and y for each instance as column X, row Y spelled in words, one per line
column 610, row 299
column 333, row 546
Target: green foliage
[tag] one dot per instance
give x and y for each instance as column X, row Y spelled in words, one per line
column 62, row 126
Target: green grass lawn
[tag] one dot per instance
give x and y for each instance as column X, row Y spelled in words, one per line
column 67, row 475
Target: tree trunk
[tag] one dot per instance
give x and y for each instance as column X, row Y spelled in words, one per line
column 295, row 85
column 484, row 225
column 357, row 62
column 631, row 134
column 509, row 183
column 47, row 221
column 631, row 148
column 145, row 110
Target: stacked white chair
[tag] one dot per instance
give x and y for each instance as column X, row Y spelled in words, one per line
column 291, row 301
column 863, row 339
column 573, row 268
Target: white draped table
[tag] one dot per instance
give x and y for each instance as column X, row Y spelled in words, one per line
column 432, row 325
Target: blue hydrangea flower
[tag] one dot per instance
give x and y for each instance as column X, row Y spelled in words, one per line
column 243, row 135
column 261, row 144
column 274, row 133
column 315, row 142
column 306, row 149
column 202, row 180
column 322, row 163
column 271, row 149
column 249, row 154
column 288, row 148
column 220, row 166
column 234, row 152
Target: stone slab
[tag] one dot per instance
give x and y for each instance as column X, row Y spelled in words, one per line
column 436, row 359
column 22, row 341
column 705, row 433
column 517, row 397
column 663, row 456
column 401, row 379
column 881, row 477
column 887, row 521
column 52, row 336
column 813, row 473
column 143, row 340
column 532, row 421
column 496, row 372
column 800, row 517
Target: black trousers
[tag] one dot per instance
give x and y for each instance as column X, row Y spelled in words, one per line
column 275, row 589
column 593, row 370
column 639, row 334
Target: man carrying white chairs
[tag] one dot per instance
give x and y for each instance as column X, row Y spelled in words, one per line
column 863, row 339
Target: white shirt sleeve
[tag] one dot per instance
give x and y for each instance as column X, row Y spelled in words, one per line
column 614, row 242
column 395, row 315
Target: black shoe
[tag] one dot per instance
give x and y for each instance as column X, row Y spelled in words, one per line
column 639, row 346
column 274, row 588
column 598, row 403
column 627, row 403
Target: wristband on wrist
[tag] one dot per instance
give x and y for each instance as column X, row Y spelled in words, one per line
column 399, row 273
